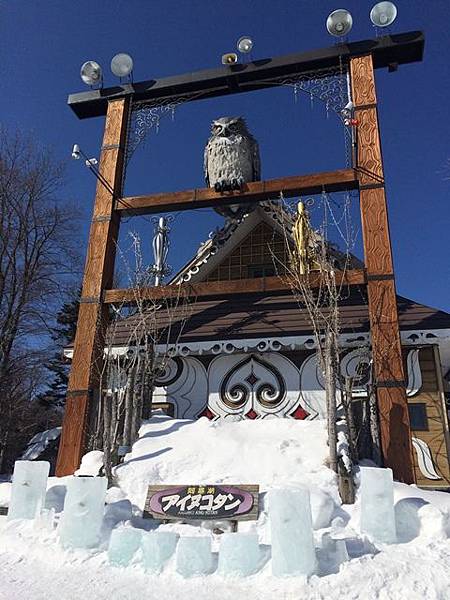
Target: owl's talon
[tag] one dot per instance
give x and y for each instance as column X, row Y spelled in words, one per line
column 218, row 186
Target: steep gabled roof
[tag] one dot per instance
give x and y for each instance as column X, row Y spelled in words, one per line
column 224, row 240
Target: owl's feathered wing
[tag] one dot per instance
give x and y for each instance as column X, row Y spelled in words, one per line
column 205, row 164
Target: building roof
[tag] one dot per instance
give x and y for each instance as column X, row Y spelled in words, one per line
column 275, row 315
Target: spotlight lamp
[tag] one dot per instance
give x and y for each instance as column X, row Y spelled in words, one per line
column 383, row 14
column 91, row 163
column 91, row 73
column 76, row 152
column 245, row 44
column 122, row 65
column 339, row 22
column 229, row 59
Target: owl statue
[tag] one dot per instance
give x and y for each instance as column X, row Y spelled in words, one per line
column 231, row 159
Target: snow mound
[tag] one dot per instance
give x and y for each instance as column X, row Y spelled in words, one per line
column 91, row 464
column 274, row 453
column 269, row 452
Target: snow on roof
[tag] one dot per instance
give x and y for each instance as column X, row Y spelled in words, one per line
column 39, row 443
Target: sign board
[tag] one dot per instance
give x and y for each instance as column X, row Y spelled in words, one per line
column 201, row 502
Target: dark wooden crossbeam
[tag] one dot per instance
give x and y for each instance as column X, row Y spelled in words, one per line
column 387, row 51
column 332, row 181
column 223, row 288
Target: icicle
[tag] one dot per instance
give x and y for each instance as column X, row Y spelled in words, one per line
column 328, row 109
column 295, row 93
column 173, row 113
column 312, row 99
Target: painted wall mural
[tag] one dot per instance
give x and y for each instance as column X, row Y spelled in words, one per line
column 253, row 386
column 259, row 385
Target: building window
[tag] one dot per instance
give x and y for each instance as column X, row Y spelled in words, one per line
column 261, row 271
column 418, row 416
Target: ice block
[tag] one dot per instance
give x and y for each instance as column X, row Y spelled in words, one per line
column 194, row 556
column 157, row 548
column 239, row 554
column 28, row 489
column 377, row 504
column 82, row 516
column 292, row 533
column 123, row 545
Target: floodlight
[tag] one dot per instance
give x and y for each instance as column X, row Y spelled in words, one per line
column 91, row 72
column 347, row 111
column 229, row 59
column 245, row 44
column 339, row 22
column 383, row 14
column 122, row 65
column 76, row 152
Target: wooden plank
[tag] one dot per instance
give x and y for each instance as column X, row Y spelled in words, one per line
column 330, row 181
column 223, row 288
column 382, row 300
column 390, row 49
column 98, row 274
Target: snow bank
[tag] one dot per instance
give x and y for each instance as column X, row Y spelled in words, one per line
column 272, row 453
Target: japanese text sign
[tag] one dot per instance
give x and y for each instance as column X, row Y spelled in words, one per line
column 200, row 502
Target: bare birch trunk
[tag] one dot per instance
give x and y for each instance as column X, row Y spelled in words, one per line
column 127, row 425
column 330, row 390
column 365, row 443
column 113, row 428
column 107, row 437
column 374, row 427
column 348, row 408
column 137, row 401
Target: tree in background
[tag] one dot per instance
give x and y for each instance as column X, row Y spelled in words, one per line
column 37, row 260
column 63, row 334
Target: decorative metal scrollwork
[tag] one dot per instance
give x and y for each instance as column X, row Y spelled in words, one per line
column 327, row 85
column 146, row 116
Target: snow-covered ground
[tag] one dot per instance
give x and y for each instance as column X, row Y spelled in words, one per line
column 271, row 453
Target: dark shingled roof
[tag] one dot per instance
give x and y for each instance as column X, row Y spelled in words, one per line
column 278, row 314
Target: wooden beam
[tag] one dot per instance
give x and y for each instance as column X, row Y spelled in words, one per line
column 93, row 314
column 331, row 181
column 223, row 288
column 385, row 334
column 387, row 50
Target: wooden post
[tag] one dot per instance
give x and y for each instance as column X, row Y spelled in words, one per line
column 386, row 347
column 99, row 269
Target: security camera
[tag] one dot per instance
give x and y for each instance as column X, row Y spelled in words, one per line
column 76, row 153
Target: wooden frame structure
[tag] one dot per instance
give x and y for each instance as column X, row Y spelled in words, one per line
column 361, row 58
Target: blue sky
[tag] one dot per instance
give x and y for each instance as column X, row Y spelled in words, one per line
column 44, row 42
